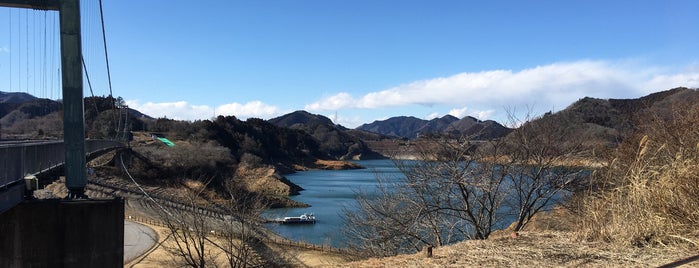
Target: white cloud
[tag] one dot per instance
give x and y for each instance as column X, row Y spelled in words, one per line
column 672, row 81
column 182, row 110
column 460, row 113
column 348, row 121
column 432, row 116
column 4, row 49
column 553, row 85
column 463, row 112
column 251, row 109
column 341, row 100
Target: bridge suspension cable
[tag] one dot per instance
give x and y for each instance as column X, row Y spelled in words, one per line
column 28, row 60
column 106, row 56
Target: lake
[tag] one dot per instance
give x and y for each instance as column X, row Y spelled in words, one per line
column 328, row 191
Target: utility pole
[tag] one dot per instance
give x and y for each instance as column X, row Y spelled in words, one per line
column 72, row 78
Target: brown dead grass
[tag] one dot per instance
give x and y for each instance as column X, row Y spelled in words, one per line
column 543, row 248
column 654, row 198
column 533, row 249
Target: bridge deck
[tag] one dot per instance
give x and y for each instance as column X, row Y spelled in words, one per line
column 21, row 158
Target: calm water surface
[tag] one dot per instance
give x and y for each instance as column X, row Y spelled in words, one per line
column 328, row 191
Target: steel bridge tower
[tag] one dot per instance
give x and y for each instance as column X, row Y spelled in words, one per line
column 72, row 79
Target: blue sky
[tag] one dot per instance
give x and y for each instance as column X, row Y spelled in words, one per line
column 364, row 60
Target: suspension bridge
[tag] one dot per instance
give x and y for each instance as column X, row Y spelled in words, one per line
column 76, row 232
column 31, row 55
column 21, row 162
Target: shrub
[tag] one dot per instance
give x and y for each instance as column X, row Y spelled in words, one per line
column 649, row 193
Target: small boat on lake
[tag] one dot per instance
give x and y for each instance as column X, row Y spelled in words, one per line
column 304, row 218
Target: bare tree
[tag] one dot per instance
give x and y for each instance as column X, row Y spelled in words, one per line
column 200, row 237
column 460, row 188
column 540, row 151
column 241, row 231
column 453, row 192
column 188, row 230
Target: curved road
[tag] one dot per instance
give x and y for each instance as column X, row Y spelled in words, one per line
column 138, row 239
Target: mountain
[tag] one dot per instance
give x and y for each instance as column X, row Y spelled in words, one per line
column 411, row 127
column 438, row 125
column 32, row 117
column 477, row 129
column 23, row 116
column 335, row 140
column 400, row 126
column 299, row 119
column 15, row 97
column 603, row 123
column 10, row 101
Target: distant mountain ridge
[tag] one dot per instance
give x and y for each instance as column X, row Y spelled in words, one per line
column 300, row 118
column 399, row 126
column 477, row 129
column 411, row 127
column 606, row 122
column 336, row 140
column 597, row 122
column 15, row 97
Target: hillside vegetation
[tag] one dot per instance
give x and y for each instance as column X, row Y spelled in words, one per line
column 408, row 127
column 335, row 140
column 639, row 200
column 648, row 194
column 603, row 124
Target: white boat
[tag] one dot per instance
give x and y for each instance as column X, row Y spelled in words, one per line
column 304, row 218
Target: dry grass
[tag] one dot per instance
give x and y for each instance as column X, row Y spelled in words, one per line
column 649, row 195
column 529, row 249
column 533, row 249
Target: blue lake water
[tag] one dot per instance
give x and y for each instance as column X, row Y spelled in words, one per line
column 328, row 191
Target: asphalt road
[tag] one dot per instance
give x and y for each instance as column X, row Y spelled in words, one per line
column 138, row 239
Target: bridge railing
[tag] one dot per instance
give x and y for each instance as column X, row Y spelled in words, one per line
column 24, row 158
column 18, row 160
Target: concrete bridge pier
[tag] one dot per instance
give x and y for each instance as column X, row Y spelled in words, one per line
column 63, row 233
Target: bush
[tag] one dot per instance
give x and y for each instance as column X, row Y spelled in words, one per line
column 191, row 160
column 649, row 193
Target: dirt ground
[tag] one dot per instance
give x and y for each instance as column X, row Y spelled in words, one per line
column 158, row 256
column 535, row 249
column 541, row 246
column 529, row 249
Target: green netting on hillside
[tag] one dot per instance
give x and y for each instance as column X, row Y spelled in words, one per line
column 167, row 142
